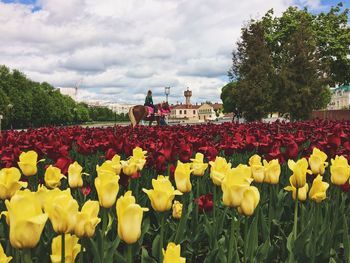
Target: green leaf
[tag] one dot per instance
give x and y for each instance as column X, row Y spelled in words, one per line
column 155, row 247
column 95, row 251
column 346, row 241
column 145, row 258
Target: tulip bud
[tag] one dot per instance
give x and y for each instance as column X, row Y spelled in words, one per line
column 129, row 216
column 130, row 167
column 318, row 189
column 272, row 171
column 172, row 254
column 198, row 166
column 75, row 179
column 53, row 177
column 107, row 187
column 299, row 168
column 255, row 160
column 250, row 201
column 72, row 249
column 28, row 163
column 26, row 219
column 177, row 210
column 340, row 170
column 219, row 169
column 62, row 209
column 162, row 194
column 318, row 162
column 3, row 257
column 9, row 182
column 302, row 191
column 182, row 177
column 87, row 219
column 234, row 185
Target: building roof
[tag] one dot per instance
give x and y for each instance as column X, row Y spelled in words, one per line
column 344, row 88
column 217, row 106
column 184, row 106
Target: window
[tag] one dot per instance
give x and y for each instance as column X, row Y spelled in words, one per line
column 194, row 112
column 185, row 112
column 180, row 111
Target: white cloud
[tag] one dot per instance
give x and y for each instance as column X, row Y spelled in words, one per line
column 120, row 49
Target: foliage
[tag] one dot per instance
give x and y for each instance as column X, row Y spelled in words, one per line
column 309, row 52
column 253, row 68
column 39, row 104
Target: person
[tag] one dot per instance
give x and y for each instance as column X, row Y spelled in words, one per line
column 149, row 101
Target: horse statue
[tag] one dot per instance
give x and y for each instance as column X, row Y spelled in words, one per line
column 139, row 112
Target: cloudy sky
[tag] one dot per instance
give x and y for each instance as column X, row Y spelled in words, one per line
column 118, row 49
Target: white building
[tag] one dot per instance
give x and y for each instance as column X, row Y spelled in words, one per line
column 340, row 98
column 71, row 92
column 120, row 108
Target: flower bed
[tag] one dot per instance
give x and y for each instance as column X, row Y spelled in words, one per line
column 207, row 193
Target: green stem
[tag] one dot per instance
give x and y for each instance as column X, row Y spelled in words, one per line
column 295, row 227
column 129, row 256
column 63, row 248
column 214, row 203
column 232, row 239
column 182, row 220
column 336, row 213
column 104, row 227
column 27, row 256
column 81, row 256
column 270, row 205
column 161, row 240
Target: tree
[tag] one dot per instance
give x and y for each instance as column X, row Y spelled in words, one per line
column 301, row 82
column 253, row 69
column 229, row 97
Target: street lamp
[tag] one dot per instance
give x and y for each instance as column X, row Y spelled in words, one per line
column 167, row 92
column 10, row 106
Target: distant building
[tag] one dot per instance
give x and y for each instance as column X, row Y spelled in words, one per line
column 184, row 112
column 209, row 112
column 120, row 108
column 340, row 98
column 71, row 92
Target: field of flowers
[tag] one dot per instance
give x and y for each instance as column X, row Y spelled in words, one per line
column 254, row 192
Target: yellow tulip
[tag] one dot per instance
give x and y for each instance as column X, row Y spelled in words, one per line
column 234, row 184
column 258, row 173
column 255, row 160
column 198, row 166
column 72, row 248
column 172, row 254
column 299, row 168
column 107, row 187
column 28, row 163
column 302, row 191
column 340, row 170
column 138, row 157
column 162, row 194
column 41, row 194
column 129, row 216
column 219, row 169
column 3, row 257
column 113, row 165
column 182, row 177
column 9, row 182
column 177, row 210
column 26, row 219
column 87, row 219
column 250, row 201
column 318, row 189
column 62, row 209
column 318, row 162
column 53, row 177
column 138, row 153
column 130, row 167
column 272, row 171
column 75, row 179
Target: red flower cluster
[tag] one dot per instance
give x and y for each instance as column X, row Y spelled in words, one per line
column 166, row 145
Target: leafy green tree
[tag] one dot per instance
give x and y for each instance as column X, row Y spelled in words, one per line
column 253, row 69
column 4, row 111
column 229, row 97
column 300, row 76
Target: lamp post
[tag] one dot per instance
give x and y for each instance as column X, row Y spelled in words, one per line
column 10, row 106
column 167, row 92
